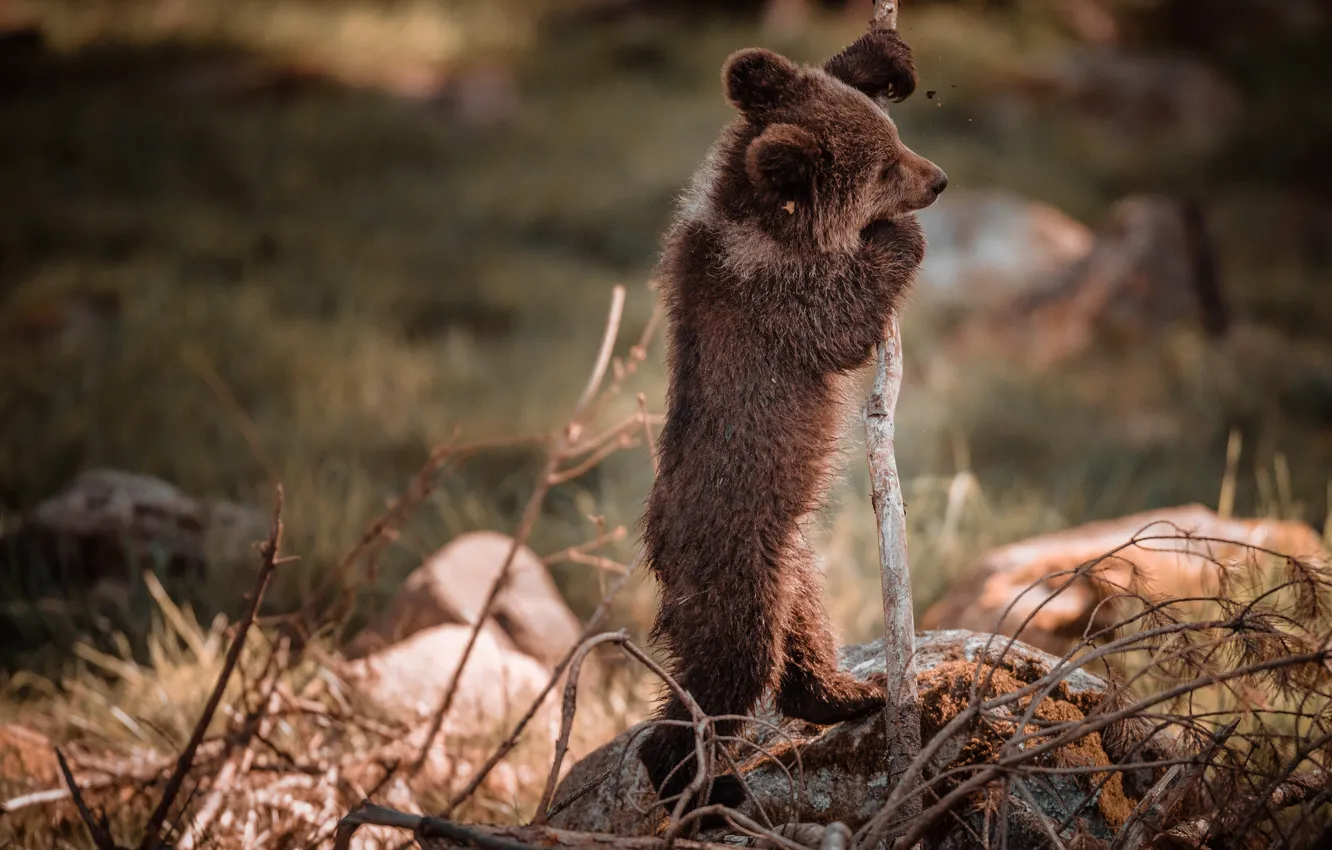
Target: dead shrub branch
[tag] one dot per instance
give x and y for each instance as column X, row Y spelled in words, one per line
column 152, row 837
column 546, row 480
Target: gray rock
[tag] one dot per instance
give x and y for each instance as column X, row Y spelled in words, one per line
column 843, row 766
column 111, row 524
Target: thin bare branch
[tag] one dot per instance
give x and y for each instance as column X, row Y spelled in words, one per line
column 38, row 798
column 437, row 832
column 378, row 534
column 253, row 729
column 593, row 623
column 1055, row 841
column 615, row 433
column 650, row 440
column 616, row 534
column 101, row 838
column 567, row 717
column 603, row 356
column 577, row 794
column 1159, row 804
column 152, row 837
column 700, row 724
column 530, row 513
column 623, row 441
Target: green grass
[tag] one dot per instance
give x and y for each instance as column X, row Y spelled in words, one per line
column 368, row 275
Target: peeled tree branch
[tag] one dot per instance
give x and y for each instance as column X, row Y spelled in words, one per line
column 885, row 14
column 903, row 708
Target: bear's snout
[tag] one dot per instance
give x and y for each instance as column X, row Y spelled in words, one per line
column 940, row 182
column 926, row 181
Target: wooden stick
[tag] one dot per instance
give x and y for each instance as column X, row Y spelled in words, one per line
column 903, row 709
column 885, row 15
column 899, row 624
column 500, row 837
column 567, row 718
column 593, row 623
column 1158, row 806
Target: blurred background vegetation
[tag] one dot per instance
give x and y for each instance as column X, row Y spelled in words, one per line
column 310, row 240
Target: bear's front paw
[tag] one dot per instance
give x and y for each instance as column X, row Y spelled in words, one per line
column 878, row 63
column 902, row 239
column 882, row 232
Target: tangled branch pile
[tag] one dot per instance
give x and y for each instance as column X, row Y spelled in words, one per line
column 1207, row 726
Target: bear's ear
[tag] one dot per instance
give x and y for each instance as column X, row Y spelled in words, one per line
column 879, row 63
column 758, row 79
column 783, row 161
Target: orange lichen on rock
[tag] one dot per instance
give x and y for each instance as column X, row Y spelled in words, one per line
column 946, row 690
column 1088, row 751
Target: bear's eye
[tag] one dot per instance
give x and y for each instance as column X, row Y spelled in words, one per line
column 886, row 173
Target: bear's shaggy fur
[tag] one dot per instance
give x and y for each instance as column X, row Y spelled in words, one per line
column 789, row 255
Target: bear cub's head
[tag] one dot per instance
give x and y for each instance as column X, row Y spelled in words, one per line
column 819, row 156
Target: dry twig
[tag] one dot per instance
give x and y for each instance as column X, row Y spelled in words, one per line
column 567, row 717
column 701, row 727
column 96, row 827
column 152, row 837
column 253, row 729
column 376, row 536
column 579, row 553
column 577, row 794
column 437, row 833
column 1162, row 801
column 546, row 480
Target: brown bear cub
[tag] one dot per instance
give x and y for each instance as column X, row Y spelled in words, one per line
column 788, row 257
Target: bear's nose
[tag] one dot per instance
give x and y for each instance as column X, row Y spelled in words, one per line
column 940, row 183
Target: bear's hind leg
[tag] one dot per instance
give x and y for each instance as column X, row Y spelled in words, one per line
column 813, row 687
column 668, row 753
column 724, row 660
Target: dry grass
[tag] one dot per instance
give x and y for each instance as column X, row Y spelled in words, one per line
column 124, row 721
